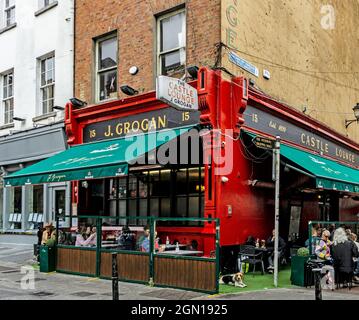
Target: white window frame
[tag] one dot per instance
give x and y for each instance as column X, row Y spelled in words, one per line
column 45, row 3
column 8, row 8
column 180, row 49
column 47, row 86
column 98, row 72
column 8, row 112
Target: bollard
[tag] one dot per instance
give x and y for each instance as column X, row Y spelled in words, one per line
column 318, row 286
column 115, row 290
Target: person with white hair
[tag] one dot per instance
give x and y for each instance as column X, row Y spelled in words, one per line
column 322, row 250
column 343, row 252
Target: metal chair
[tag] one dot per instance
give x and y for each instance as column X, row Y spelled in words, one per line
column 248, row 254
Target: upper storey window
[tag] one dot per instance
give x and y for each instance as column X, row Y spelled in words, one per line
column 9, row 12
column 171, row 47
column 106, row 68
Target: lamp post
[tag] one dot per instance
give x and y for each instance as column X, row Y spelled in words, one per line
column 356, row 114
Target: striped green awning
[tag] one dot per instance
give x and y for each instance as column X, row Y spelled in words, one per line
column 94, row 160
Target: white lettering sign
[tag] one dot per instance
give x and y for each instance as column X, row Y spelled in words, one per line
column 177, row 93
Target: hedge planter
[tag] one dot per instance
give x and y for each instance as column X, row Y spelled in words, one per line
column 298, row 270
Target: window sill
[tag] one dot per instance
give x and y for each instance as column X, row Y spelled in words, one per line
column 47, row 8
column 44, row 116
column 12, row 26
column 7, row 126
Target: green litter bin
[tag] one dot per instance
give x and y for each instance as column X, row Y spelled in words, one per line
column 47, row 259
column 298, row 270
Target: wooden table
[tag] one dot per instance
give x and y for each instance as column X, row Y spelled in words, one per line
column 181, row 253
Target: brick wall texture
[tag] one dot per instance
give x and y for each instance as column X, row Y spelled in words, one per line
column 135, row 23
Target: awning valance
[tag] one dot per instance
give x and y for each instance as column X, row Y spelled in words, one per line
column 94, row 160
column 329, row 174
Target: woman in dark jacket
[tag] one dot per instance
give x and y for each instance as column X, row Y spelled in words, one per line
column 343, row 252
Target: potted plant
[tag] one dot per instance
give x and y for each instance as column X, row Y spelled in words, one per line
column 298, row 267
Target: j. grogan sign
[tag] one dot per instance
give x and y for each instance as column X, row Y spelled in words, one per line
column 275, row 126
column 157, row 120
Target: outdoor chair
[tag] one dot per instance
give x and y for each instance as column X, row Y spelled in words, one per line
column 248, row 254
column 343, row 278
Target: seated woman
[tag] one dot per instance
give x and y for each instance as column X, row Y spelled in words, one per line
column 80, row 237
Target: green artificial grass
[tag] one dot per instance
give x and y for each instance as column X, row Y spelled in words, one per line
column 259, row 282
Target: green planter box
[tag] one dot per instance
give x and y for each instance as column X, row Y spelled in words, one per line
column 298, row 270
column 47, row 259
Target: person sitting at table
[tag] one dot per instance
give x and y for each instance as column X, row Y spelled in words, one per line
column 270, row 245
column 80, row 236
column 251, row 241
column 145, row 247
column 146, row 234
column 48, row 234
column 262, row 244
column 322, row 250
column 126, row 240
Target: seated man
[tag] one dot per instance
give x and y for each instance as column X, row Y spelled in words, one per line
column 270, row 245
column 126, row 240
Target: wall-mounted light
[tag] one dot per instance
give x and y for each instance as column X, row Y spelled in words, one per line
column 127, row 90
column 19, row 119
column 224, row 179
column 77, row 103
column 58, row 108
column 193, row 72
column 133, row 70
column 356, row 114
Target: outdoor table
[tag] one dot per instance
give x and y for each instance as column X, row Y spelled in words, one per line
column 113, row 245
column 173, row 246
column 181, row 252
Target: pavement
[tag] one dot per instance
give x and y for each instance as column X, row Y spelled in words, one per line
column 19, row 281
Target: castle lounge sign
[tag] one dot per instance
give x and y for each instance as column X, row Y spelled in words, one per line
column 177, row 93
column 275, row 126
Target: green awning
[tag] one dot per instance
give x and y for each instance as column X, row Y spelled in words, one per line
column 94, row 160
column 329, row 174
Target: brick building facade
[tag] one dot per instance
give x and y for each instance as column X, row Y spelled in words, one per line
column 136, row 27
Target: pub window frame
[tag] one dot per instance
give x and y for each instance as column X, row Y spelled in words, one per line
column 172, row 195
column 99, row 71
column 180, row 49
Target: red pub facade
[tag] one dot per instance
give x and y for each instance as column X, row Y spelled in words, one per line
column 242, row 198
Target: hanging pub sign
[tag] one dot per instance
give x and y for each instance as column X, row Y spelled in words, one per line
column 157, row 120
column 177, row 93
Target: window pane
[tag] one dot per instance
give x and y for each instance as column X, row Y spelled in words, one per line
column 132, row 208
column 181, row 183
column 172, row 32
column 154, row 207
column 182, row 207
column 17, row 199
column 132, row 186
column 122, row 189
column 108, row 53
column 38, row 199
column 165, row 186
column 170, row 61
column 165, row 207
column 108, row 85
column 194, row 182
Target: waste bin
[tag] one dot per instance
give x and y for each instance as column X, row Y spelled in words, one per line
column 298, row 270
column 47, row 259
